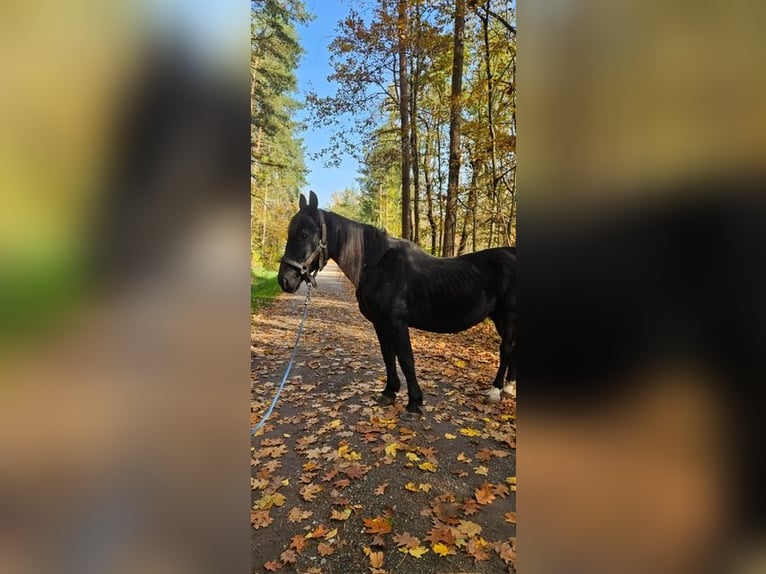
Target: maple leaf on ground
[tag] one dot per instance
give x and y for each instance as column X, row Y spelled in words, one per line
column 484, row 455
column 260, row 518
column 477, row 549
column 298, row 515
column 470, row 506
column 441, row 549
column 318, row 532
column 446, row 511
column 310, row 491
column 411, row 486
column 441, row 533
column 269, row 500
column 510, row 517
column 501, row 490
column 340, row 514
column 482, row 470
column 272, row 566
column 406, row 540
column 298, row 542
column 380, row 489
column 272, row 465
column 330, row 475
column 485, row 495
column 354, row 470
column 506, row 551
column 470, row 432
column 469, row 528
column 342, row 483
column 377, row 525
column 325, row 549
column 428, row 465
column 288, row 557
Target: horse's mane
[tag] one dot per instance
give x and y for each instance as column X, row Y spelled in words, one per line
column 356, row 243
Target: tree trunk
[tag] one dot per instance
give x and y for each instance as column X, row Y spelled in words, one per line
column 429, row 192
column 415, row 159
column 404, row 115
column 456, row 108
column 470, row 210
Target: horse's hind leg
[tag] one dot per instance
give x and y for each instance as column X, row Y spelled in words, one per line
column 507, row 368
column 388, row 396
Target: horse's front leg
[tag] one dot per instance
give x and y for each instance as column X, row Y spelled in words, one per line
column 388, row 396
column 401, row 338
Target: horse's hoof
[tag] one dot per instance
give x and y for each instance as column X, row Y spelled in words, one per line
column 411, row 416
column 493, row 396
column 385, row 400
column 510, row 389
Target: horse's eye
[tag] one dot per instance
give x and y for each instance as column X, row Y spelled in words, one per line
column 305, row 234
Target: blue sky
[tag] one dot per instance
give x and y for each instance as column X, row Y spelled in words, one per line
column 312, row 75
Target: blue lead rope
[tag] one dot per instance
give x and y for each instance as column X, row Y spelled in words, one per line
column 267, row 414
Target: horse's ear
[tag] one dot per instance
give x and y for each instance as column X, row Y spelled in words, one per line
column 313, row 201
column 302, row 201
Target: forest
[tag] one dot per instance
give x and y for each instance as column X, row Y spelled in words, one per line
column 425, row 103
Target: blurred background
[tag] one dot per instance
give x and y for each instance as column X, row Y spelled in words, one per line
column 124, row 326
column 124, row 255
column 642, row 139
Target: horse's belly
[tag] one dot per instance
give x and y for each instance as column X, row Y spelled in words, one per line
column 447, row 320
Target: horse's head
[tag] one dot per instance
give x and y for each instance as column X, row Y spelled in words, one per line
column 306, row 249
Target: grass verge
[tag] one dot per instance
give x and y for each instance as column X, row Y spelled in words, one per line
column 263, row 288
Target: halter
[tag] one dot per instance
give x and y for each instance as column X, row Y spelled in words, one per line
column 319, row 251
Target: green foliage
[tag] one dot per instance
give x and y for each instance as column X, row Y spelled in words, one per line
column 277, row 155
column 263, row 288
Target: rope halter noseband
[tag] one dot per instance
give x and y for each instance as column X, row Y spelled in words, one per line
column 319, row 251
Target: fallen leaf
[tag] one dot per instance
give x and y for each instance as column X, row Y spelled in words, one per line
column 272, row 566
column 424, row 486
column 450, row 436
column 482, row 470
column 485, row 494
column 376, row 557
column 406, row 540
column 411, row 456
column 260, row 519
column 484, row 454
column 470, row 529
column 470, row 432
column 318, row 532
column 298, row 515
column 427, row 466
column 477, row 549
column 418, row 551
column 331, row 534
column 342, row 483
column 309, row 492
column 340, row 514
column 411, row 486
column 298, row 542
column 325, row 549
column 380, row 489
column 506, row 551
column 377, row 525
column 288, row 557
column 510, row 517
column 441, row 549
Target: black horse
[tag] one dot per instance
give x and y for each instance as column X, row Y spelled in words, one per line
column 398, row 286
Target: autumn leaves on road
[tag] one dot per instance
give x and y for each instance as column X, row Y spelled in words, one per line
column 342, row 485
